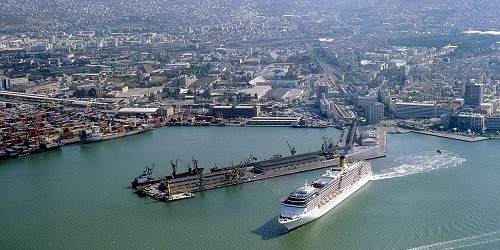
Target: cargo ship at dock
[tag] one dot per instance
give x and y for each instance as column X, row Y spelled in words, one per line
column 317, row 198
column 94, row 134
column 45, row 144
column 146, row 177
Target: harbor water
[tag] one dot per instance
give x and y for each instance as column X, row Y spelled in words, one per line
column 80, row 196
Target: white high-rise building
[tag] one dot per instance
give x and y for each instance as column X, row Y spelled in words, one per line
column 5, row 83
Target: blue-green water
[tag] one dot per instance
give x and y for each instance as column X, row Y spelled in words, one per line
column 78, row 197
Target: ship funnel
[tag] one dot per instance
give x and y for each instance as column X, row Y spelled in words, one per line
column 342, row 161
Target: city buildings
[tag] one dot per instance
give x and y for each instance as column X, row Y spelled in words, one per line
column 189, row 55
column 240, row 111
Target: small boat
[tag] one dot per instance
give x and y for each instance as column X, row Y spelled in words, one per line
column 215, row 169
column 173, row 197
column 3, row 155
column 141, row 193
column 439, row 151
column 276, row 156
column 317, row 125
column 165, row 197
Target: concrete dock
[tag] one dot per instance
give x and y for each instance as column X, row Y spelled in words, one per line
column 453, row 136
column 258, row 170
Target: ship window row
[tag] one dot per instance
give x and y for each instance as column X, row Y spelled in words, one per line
column 319, row 185
column 296, row 199
column 295, row 202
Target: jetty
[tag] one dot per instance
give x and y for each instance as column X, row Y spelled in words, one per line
column 170, row 188
column 459, row 137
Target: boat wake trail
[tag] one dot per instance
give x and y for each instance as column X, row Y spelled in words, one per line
column 423, row 162
column 464, row 242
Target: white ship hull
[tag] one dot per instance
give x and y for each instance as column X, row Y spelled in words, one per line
column 99, row 137
column 323, row 209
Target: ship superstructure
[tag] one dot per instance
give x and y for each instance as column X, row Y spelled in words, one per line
column 315, row 199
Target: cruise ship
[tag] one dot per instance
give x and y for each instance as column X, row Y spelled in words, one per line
column 315, row 199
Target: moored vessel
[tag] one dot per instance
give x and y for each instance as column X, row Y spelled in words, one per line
column 147, row 178
column 49, row 144
column 95, row 135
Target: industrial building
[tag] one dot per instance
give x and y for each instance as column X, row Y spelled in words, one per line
column 274, row 121
column 139, row 112
column 229, row 112
column 408, row 110
column 464, row 122
column 257, row 92
column 369, row 138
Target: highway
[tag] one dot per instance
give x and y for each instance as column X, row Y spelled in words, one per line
column 39, row 98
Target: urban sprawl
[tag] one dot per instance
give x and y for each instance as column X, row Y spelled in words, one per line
column 77, row 67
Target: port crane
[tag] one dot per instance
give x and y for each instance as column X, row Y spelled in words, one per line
column 199, row 171
column 292, row 150
column 173, row 167
column 327, row 143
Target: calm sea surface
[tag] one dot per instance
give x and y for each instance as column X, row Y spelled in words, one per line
column 79, row 196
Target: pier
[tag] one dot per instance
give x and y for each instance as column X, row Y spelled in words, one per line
column 169, row 189
column 458, row 137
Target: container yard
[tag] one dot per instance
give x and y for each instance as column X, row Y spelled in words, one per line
column 27, row 129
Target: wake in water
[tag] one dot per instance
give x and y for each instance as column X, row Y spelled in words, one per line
column 464, row 242
column 423, row 162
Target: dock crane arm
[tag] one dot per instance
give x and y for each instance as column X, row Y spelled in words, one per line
column 292, row 150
